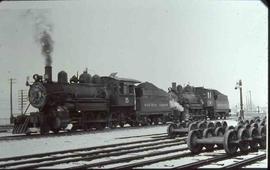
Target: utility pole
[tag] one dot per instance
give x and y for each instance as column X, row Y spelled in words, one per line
column 11, row 80
column 239, row 86
column 258, row 109
column 250, row 101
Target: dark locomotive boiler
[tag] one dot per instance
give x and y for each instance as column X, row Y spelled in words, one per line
column 80, row 102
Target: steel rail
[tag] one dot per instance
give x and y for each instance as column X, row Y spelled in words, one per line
column 79, row 149
column 96, row 156
column 208, row 161
column 147, row 162
column 174, row 142
column 60, row 134
column 126, row 159
column 155, row 134
column 246, row 161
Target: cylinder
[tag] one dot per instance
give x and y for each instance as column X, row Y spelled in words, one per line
column 48, row 73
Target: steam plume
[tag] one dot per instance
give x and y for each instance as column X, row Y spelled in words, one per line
column 43, row 30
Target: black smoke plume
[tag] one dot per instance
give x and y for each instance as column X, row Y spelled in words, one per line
column 43, row 30
column 46, row 47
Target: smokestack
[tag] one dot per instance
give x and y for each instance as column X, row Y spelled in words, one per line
column 174, row 86
column 48, row 73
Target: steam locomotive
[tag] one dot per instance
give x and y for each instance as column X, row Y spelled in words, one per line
column 200, row 103
column 87, row 102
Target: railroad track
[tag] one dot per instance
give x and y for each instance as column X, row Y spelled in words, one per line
column 214, row 159
column 121, row 156
column 89, row 154
column 35, row 136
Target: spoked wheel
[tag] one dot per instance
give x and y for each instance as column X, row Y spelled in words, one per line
column 113, row 125
column 228, row 128
column 44, row 129
column 193, row 146
column 219, row 131
column 254, row 125
column 238, row 127
column 251, row 121
column 262, row 133
column 210, row 125
column 262, row 123
column 201, row 125
column 229, row 145
column 155, row 121
column 246, row 122
column 192, row 126
column 257, row 121
column 247, row 126
column 121, row 124
column 241, row 122
column 55, row 124
column 170, row 129
column 253, row 133
column 44, row 126
column 217, row 124
column 224, row 124
column 207, row 133
column 243, row 136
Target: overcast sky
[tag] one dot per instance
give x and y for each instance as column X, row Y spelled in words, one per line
column 210, row 43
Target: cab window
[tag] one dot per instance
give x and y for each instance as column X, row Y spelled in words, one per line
column 121, row 88
column 131, row 89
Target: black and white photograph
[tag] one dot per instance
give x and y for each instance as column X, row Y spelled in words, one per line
column 133, row 84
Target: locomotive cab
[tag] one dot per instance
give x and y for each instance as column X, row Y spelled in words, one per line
column 122, row 99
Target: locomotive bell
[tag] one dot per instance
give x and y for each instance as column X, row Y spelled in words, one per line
column 62, row 77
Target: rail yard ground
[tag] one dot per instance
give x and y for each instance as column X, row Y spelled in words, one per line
column 141, row 147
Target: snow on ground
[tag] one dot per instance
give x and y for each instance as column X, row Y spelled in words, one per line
column 48, row 144
column 184, row 160
column 121, row 156
column 237, row 159
column 259, row 164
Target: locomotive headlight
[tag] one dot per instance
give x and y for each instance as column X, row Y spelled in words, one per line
column 37, row 95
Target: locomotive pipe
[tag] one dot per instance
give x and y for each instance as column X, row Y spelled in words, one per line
column 48, row 73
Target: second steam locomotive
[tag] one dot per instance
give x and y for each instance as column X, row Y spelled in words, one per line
column 86, row 102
